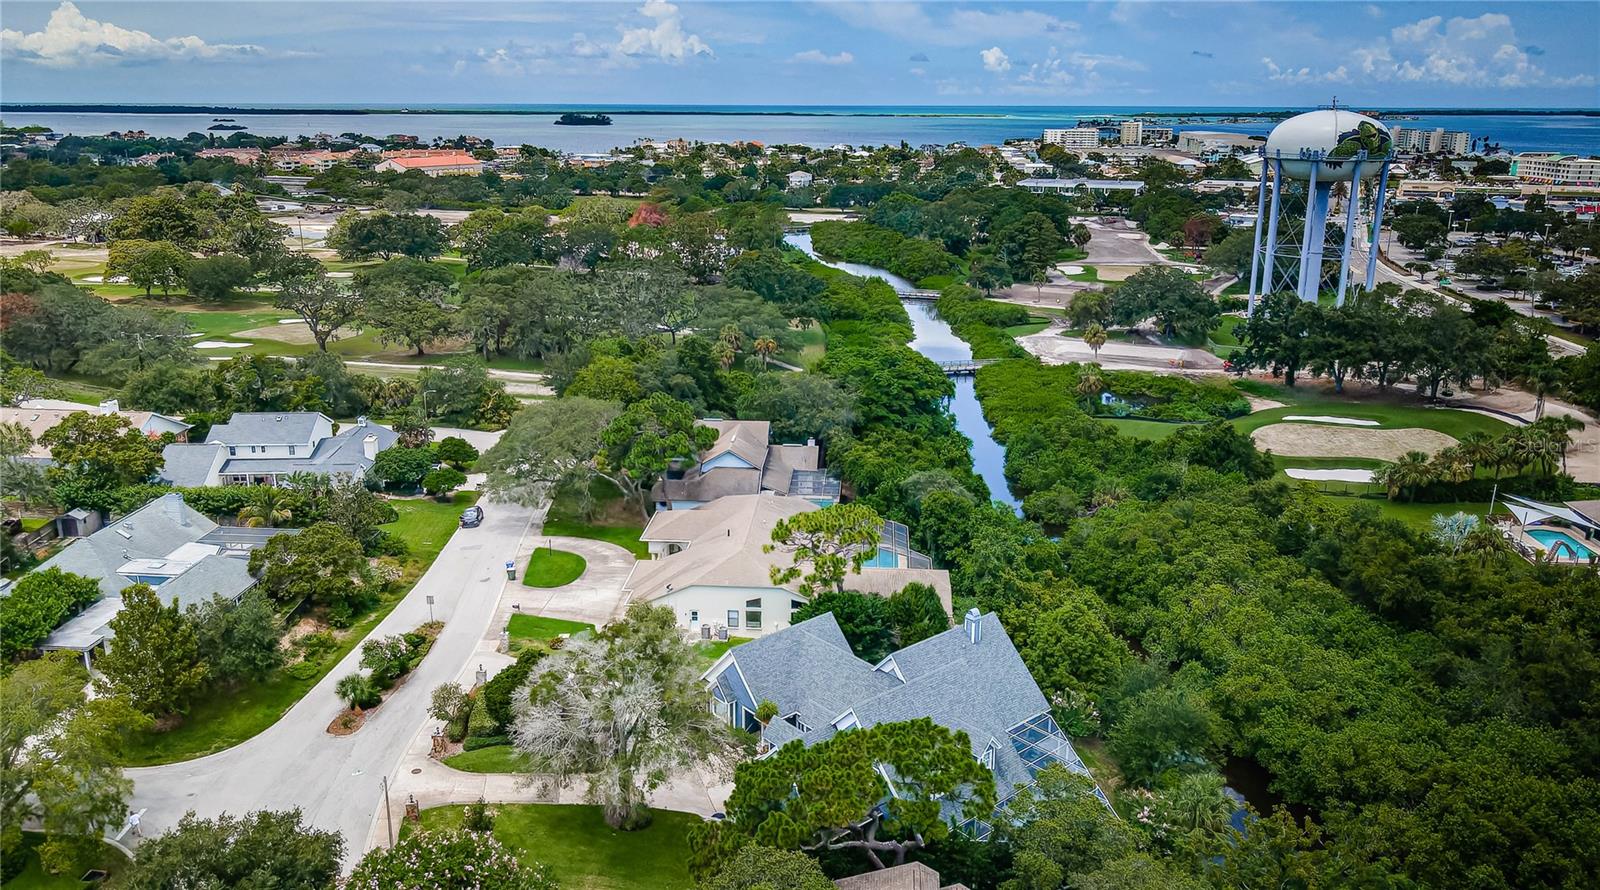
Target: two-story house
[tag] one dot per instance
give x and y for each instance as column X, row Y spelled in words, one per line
column 261, row 448
column 744, row 460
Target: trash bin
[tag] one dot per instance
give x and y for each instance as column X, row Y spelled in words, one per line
column 511, row 570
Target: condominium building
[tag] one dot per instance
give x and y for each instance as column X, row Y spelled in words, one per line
column 1077, row 137
column 1435, row 141
column 1554, row 168
column 1132, row 132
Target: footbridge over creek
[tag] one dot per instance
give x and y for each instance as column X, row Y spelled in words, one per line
column 965, row 367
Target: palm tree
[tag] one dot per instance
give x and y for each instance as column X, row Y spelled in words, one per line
column 268, row 508
column 731, row 335
column 1486, row 544
column 1090, row 385
column 1095, row 336
column 1452, row 465
column 765, row 347
column 1534, row 446
column 1543, row 379
column 1405, row 475
column 1559, row 429
column 724, row 353
column 1478, row 448
column 1107, row 494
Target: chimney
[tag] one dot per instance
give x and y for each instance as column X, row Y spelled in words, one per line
column 110, row 406
column 369, row 447
column 974, row 625
column 172, row 505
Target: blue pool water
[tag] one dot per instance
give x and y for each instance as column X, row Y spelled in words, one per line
column 1548, row 537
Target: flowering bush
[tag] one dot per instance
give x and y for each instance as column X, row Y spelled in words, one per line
column 448, row 860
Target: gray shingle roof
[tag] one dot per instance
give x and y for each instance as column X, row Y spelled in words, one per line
column 189, row 465
column 267, row 428
column 336, row 455
column 150, row 532
column 982, row 688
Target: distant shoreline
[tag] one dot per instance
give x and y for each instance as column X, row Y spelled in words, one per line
column 841, row 111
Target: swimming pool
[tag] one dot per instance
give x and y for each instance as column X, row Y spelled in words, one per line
column 1549, row 536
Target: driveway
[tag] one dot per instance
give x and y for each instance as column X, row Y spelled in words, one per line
column 335, row 780
column 596, row 597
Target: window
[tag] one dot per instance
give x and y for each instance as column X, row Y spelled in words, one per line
column 795, row 721
column 232, row 451
column 694, row 617
column 291, row 451
column 847, row 720
column 252, row 449
column 752, row 614
column 733, row 617
column 988, row 756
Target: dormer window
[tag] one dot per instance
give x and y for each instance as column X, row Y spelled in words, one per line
column 987, row 758
column 845, row 721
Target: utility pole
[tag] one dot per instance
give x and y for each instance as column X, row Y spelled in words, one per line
column 388, row 814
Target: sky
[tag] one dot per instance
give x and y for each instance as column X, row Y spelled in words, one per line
column 1436, row 54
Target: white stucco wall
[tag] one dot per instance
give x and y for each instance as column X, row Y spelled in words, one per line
column 703, row 604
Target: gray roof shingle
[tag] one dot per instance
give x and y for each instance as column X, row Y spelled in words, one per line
column 267, row 428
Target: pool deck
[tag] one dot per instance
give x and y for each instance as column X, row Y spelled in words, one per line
column 1530, row 546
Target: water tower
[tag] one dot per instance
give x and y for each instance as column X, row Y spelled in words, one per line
column 1320, row 148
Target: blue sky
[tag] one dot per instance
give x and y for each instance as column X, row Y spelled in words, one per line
column 651, row 51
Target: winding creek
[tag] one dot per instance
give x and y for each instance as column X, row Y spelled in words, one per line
column 933, row 338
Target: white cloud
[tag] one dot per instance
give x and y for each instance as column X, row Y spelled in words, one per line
column 1074, row 73
column 818, row 57
column 1304, row 74
column 665, row 40
column 70, row 40
column 995, row 60
column 1009, row 23
column 1460, row 52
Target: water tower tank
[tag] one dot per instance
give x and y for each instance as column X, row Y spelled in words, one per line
column 1338, row 134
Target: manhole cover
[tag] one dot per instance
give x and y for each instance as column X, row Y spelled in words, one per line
column 416, row 771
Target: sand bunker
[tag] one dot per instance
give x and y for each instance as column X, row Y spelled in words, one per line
column 1070, row 270
column 1350, row 475
column 1306, row 440
column 1328, row 418
column 219, row 344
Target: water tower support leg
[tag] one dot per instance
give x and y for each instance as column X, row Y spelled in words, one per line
column 1269, row 262
column 1377, row 226
column 1349, row 231
column 1311, row 236
column 1255, row 253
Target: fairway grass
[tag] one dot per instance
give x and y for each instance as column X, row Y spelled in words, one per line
column 224, row 718
column 585, row 853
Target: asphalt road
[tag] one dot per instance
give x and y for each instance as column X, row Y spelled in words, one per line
column 334, row 780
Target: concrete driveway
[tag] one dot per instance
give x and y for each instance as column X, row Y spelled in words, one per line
column 335, row 780
column 596, row 597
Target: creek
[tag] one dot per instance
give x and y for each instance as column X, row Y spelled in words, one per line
column 933, row 338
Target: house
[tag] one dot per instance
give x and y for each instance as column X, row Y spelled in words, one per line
column 710, row 566
column 246, row 156
column 969, row 678
column 40, row 415
column 435, row 165
column 260, row 448
column 800, row 179
column 743, row 460
column 166, row 544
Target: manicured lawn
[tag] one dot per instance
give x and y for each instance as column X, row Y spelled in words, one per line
column 1153, row 430
column 1034, row 325
column 585, row 853
column 33, row 876
column 227, row 718
column 494, row 759
column 616, row 520
column 1420, row 516
column 624, row 536
column 537, row 627
column 553, row 568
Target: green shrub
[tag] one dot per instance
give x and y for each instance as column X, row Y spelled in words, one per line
column 474, row 742
column 358, row 690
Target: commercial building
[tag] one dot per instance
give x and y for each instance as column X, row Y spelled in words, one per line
column 1077, row 137
column 434, row 165
column 1209, row 144
column 969, row 678
column 1073, row 186
column 1435, row 141
column 262, row 448
column 712, row 567
column 1554, row 168
column 1141, row 133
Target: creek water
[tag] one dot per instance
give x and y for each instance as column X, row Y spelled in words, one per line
column 933, row 337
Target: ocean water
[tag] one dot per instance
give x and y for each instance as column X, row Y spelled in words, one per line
column 806, row 125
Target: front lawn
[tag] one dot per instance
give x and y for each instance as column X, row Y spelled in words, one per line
column 553, row 568
column 493, row 759
column 33, row 876
column 584, row 852
column 225, row 718
column 614, row 519
column 538, row 627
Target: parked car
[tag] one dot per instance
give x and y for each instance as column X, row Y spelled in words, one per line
column 472, row 517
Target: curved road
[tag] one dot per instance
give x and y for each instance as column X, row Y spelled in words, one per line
column 334, row 780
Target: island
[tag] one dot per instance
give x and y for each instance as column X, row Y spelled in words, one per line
column 571, row 119
column 227, row 127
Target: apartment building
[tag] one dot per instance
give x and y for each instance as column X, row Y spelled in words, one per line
column 1077, row 137
column 1555, row 168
